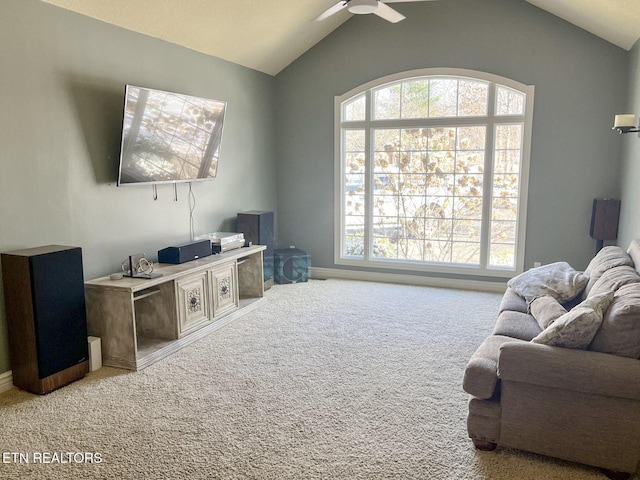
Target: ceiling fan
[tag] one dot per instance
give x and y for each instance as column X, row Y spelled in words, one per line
column 376, row 7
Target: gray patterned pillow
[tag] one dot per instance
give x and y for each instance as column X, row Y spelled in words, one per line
column 558, row 279
column 546, row 310
column 577, row 327
column 608, row 257
column 620, row 330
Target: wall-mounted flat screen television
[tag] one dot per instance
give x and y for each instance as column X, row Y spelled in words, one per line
column 169, row 137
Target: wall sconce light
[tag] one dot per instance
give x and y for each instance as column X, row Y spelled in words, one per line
column 625, row 123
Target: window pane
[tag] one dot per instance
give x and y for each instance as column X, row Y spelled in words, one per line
column 354, row 161
column 507, row 161
column 509, row 137
column 441, row 162
column 354, row 183
column 469, row 185
column 472, row 98
column 509, row 101
column 442, row 138
column 471, row 138
column 467, row 230
column 414, row 139
column 354, row 140
column 386, row 102
column 386, row 144
column 504, row 209
column 415, row 99
column 443, row 98
column 503, row 232
column 466, row 253
column 469, row 208
column 506, row 185
column 437, row 251
column 502, row 256
column 354, row 204
column 354, row 110
column 354, row 242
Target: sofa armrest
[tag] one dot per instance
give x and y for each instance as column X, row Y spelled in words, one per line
column 578, row 370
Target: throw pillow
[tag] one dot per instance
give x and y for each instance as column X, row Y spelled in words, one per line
column 606, row 258
column 634, row 252
column 577, row 327
column 620, row 330
column 558, row 279
column 613, row 279
column 546, row 310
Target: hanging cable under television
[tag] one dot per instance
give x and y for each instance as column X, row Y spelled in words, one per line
column 169, row 137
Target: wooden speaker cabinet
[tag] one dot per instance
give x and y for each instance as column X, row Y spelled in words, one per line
column 46, row 316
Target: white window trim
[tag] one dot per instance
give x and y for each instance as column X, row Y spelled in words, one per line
column 339, row 188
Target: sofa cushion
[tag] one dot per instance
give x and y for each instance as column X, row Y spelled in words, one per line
column 613, row 279
column 558, row 279
column 516, row 325
column 577, row 327
column 513, row 301
column 606, row 258
column 481, row 374
column 620, row 330
column 546, row 310
column 634, row 253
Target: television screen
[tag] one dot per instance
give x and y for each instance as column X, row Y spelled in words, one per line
column 168, row 137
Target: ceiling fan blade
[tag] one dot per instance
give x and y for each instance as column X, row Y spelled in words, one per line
column 331, row 11
column 388, row 13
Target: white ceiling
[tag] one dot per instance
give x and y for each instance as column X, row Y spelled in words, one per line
column 267, row 35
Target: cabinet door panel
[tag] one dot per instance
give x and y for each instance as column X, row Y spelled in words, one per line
column 224, row 287
column 193, row 303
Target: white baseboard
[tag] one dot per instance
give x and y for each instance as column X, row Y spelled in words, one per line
column 6, row 381
column 325, row 273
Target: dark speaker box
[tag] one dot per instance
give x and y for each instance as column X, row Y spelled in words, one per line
column 605, row 215
column 185, row 252
column 257, row 227
column 46, row 316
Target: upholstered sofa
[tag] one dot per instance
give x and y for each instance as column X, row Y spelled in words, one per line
column 540, row 385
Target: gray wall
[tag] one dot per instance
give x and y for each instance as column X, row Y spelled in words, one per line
column 629, row 218
column 62, row 92
column 580, row 83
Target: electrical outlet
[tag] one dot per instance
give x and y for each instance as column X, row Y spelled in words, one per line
column 537, row 264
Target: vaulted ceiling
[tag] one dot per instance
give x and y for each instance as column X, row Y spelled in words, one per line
column 267, row 35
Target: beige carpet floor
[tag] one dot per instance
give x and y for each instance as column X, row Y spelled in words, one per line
column 328, row 379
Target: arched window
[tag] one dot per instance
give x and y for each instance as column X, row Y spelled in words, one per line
column 432, row 171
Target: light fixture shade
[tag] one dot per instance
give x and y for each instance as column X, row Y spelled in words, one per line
column 362, row 6
column 625, row 120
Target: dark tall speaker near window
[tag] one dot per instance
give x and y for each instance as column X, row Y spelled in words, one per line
column 605, row 215
column 46, row 316
column 257, row 227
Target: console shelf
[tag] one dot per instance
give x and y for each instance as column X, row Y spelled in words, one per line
column 141, row 321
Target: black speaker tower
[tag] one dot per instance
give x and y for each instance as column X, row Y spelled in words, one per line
column 257, row 227
column 46, row 316
column 605, row 215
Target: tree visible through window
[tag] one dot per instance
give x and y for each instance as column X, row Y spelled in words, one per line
column 433, row 171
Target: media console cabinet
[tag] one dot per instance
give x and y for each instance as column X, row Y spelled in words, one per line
column 141, row 321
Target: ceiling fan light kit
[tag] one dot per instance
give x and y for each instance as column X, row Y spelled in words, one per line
column 362, row 6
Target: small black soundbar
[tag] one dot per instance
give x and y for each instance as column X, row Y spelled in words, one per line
column 185, row 252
